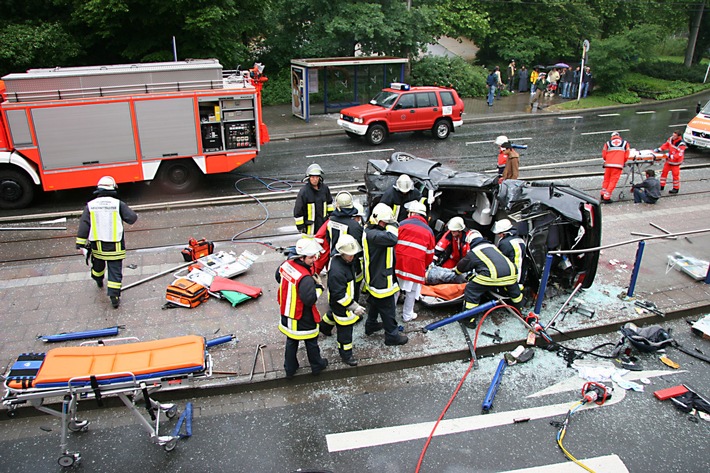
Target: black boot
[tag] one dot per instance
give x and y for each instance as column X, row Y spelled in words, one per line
column 115, row 301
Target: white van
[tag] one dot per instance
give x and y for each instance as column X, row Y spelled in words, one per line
column 697, row 132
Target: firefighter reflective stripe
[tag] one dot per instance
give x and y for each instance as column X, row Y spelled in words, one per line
column 329, row 209
column 81, row 241
column 108, row 251
column 469, row 305
column 291, row 306
column 113, row 285
column 395, row 210
column 494, row 279
column 345, row 346
column 391, row 287
column 347, row 299
column 106, row 223
column 414, row 277
column 98, row 274
column 290, row 329
column 416, row 245
column 299, row 220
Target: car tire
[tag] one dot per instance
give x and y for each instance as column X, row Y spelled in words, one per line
column 441, row 129
column 376, row 134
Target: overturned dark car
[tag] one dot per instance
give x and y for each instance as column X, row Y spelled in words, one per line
column 548, row 216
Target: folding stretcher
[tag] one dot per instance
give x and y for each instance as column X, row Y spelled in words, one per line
column 131, row 371
column 639, row 161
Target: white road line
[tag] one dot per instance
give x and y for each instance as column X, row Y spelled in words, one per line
column 645, row 112
column 569, row 118
column 605, row 463
column 602, row 132
column 608, row 114
column 678, row 110
column 351, row 152
column 513, row 140
column 679, row 124
column 395, row 434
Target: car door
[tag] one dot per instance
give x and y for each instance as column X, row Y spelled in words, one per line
column 403, row 116
column 428, row 110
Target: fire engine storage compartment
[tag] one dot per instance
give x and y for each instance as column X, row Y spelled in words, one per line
column 85, row 116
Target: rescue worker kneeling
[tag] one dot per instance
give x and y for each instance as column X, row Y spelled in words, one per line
column 344, row 309
column 299, row 289
column 489, row 269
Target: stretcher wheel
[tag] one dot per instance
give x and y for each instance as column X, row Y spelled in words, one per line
column 170, row 446
column 68, row 459
column 621, row 195
column 170, row 413
column 78, row 426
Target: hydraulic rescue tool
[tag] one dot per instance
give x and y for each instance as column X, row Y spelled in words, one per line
column 493, row 388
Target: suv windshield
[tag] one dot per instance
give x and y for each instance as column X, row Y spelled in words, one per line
column 706, row 109
column 384, row 99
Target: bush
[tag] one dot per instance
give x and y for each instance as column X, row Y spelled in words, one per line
column 277, row 90
column 468, row 80
column 658, row 89
column 624, row 97
column 673, row 71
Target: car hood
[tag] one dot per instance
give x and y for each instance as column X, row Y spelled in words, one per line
column 363, row 111
column 563, row 199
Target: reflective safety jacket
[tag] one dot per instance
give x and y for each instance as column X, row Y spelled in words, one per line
column 615, row 153
column 341, row 290
column 415, row 249
column 101, row 225
column 396, row 200
column 676, row 151
column 312, row 207
column 449, row 250
column 490, row 267
column 378, row 248
column 340, row 221
column 513, row 247
column 297, row 297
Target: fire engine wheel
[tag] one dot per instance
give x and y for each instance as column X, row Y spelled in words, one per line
column 441, row 129
column 16, row 189
column 376, row 134
column 179, row 176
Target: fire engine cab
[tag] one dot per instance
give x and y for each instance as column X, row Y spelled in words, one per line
column 171, row 122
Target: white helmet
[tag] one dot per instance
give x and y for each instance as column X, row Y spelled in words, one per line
column 501, row 139
column 472, row 235
column 107, row 183
column 416, row 207
column 347, row 245
column 456, row 224
column 344, row 200
column 382, row 213
column 502, row 226
column 307, row 246
column 360, row 209
column 404, row 184
column 314, row 170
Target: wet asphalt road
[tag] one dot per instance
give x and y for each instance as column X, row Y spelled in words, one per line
column 281, row 430
column 571, row 143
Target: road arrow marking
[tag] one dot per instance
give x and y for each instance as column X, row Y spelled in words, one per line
column 575, row 383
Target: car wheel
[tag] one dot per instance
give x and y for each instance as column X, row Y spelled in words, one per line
column 376, row 134
column 352, row 135
column 179, row 176
column 441, row 129
column 16, row 189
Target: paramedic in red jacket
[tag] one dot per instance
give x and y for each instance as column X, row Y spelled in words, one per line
column 615, row 154
column 452, row 246
column 414, row 253
column 676, row 152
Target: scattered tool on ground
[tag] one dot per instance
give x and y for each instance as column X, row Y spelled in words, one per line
column 470, row 344
column 495, row 336
column 493, row 388
column 649, row 306
column 259, row 349
column 65, row 336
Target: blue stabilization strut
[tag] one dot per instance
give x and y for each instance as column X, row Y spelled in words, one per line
column 462, row 315
column 62, row 337
column 493, row 388
column 220, row 340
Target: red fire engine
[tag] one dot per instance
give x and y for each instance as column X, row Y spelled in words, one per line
column 171, row 122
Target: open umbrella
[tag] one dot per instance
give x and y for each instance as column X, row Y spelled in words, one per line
column 561, row 65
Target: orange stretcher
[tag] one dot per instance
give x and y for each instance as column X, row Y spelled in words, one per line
column 128, row 370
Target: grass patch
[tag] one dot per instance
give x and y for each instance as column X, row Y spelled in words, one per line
column 592, row 101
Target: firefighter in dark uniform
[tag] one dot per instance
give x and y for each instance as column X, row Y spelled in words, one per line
column 313, row 203
column 380, row 282
column 489, row 269
column 340, row 222
column 510, row 244
column 299, row 290
column 101, row 233
column 344, row 309
column 400, row 194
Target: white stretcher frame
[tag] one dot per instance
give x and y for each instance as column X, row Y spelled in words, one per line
column 126, row 390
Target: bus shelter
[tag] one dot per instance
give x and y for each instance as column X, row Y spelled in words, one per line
column 339, row 82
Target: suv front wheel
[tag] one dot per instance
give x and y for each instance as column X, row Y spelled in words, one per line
column 376, row 134
column 441, row 129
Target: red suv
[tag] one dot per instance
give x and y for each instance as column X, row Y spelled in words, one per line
column 404, row 108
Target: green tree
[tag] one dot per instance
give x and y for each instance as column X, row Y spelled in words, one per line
column 25, row 45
